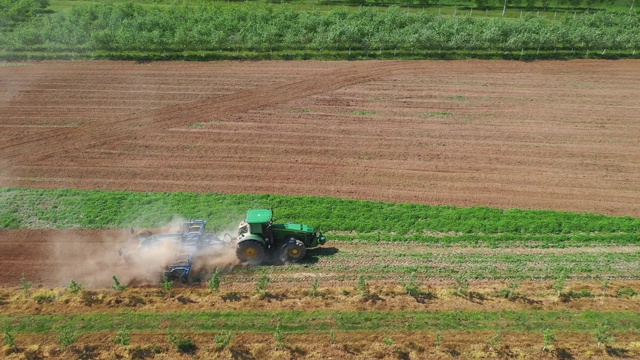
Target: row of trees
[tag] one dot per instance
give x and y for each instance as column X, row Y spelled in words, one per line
column 130, row 27
column 491, row 4
column 13, row 12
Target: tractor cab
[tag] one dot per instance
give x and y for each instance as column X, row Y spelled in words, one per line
column 258, row 222
column 260, row 239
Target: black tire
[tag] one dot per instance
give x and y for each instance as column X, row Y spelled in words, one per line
column 170, row 276
column 251, row 252
column 292, row 251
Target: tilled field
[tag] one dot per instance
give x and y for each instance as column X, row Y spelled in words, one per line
column 543, row 135
column 52, row 258
column 323, row 306
column 549, row 135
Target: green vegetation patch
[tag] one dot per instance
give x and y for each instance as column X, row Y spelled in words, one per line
column 363, row 112
column 324, row 321
column 129, row 30
column 437, row 114
column 342, row 219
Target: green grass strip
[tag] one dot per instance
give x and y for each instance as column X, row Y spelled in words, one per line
column 344, row 219
column 324, row 321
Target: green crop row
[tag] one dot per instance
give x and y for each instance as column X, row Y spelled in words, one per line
column 325, row 321
column 497, row 240
column 493, row 266
column 390, row 262
column 124, row 30
column 343, row 219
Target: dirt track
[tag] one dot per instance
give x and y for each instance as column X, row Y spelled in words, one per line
column 54, row 257
column 551, row 135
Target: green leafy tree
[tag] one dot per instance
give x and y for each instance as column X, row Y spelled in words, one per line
column 223, row 340
column 548, row 337
column 123, row 336
column 214, row 282
column 603, row 335
column 280, row 337
column 117, row 285
column 362, row 286
column 263, row 283
column 10, row 339
column 411, row 287
column 575, row 3
column 182, row 344
column 314, row 287
column 13, row 12
column 438, row 340
column 25, row 286
column 167, row 284
column 461, row 287
column 605, row 285
column 560, row 283
column 495, row 341
column 75, row 287
column 67, row 337
column 481, row 4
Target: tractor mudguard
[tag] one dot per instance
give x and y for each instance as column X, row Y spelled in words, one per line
column 253, row 237
column 251, row 249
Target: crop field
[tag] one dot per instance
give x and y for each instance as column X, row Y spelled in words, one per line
column 132, row 31
column 473, row 209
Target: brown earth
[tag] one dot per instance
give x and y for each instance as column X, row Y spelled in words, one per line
column 50, row 259
column 347, row 345
column 544, row 135
column 549, row 134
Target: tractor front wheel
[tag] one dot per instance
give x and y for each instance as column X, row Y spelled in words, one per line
column 292, row 251
column 250, row 252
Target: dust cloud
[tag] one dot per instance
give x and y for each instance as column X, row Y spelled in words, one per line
column 96, row 257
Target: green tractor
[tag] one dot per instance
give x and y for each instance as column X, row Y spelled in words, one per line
column 259, row 239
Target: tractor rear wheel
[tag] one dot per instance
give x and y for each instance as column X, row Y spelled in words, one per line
column 251, row 252
column 292, row 251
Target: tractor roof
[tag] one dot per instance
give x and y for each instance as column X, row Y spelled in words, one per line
column 259, row 216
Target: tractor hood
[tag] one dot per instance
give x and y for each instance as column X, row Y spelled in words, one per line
column 295, row 227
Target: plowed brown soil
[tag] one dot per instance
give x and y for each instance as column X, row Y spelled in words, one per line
column 544, row 135
column 550, row 135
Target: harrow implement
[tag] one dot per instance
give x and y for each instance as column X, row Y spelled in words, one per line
column 179, row 249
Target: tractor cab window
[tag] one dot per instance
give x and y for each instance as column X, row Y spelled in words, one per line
column 243, row 228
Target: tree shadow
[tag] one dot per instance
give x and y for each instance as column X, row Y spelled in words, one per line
column 422, row 297
column 527, row 300
column 233, row 296
column 296, row 351
column 372, row 297
column 185, row 300
column 617, row 352
column 563, row 354
column 90, row 298
column 272, row 296
column 453, row 352
column 476, row 297
column 241, row 352
column 86, row 352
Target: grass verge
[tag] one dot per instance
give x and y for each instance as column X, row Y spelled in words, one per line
column 343, row 219
column 324, row 321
